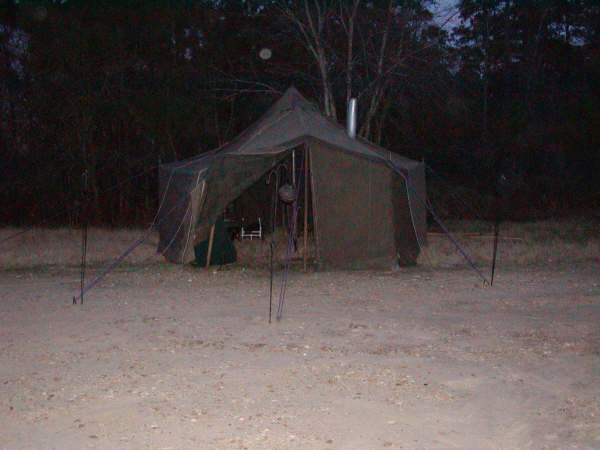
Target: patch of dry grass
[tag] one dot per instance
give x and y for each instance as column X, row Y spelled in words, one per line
column 544, row 242
column 62, row 247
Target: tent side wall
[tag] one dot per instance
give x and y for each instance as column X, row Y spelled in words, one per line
column 353, row 210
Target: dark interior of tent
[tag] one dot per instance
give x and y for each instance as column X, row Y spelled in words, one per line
column 257, row 201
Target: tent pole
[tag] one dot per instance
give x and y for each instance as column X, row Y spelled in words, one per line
column 277, row 172
column 499, row 214
column 210, row 245
column 291, row 235
column 272, row 244
column 305, row 205
column 284, row 221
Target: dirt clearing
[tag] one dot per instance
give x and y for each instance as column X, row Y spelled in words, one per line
column 161, row 356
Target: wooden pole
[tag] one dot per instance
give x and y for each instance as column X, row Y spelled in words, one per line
column 210, row 245
column 305, row 205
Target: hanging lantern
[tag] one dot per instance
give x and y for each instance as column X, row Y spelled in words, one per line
column 287, row 193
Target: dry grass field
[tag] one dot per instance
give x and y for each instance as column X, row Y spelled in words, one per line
column 544, row 242
column 166, row 356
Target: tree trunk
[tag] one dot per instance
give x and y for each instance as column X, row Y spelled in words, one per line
column 379, row 88
column 350, row 52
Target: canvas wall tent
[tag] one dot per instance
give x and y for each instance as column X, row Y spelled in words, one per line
column 367, row 203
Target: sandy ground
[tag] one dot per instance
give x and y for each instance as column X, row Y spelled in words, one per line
column 161, row 356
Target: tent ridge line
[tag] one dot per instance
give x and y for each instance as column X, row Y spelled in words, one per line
column 262, row 130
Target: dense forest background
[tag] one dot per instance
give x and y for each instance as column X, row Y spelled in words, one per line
column 502, row 101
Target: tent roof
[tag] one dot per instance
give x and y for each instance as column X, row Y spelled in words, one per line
column 286, row 124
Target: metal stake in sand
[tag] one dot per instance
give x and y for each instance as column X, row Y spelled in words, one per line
column 272, row 244
column 275, row 171
column 288, row 255
column 495, row 252
column 502, row 181
column 305, row 236
column 84, row 233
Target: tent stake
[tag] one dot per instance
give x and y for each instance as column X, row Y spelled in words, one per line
column 210, row 245
column 288, row 252
column 496, row 233
column 272, row 244
column 271, row 285
column 499, row 216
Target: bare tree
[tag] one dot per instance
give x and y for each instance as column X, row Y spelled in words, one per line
column 348, row 16
column 359, row 46
column 311, row 19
